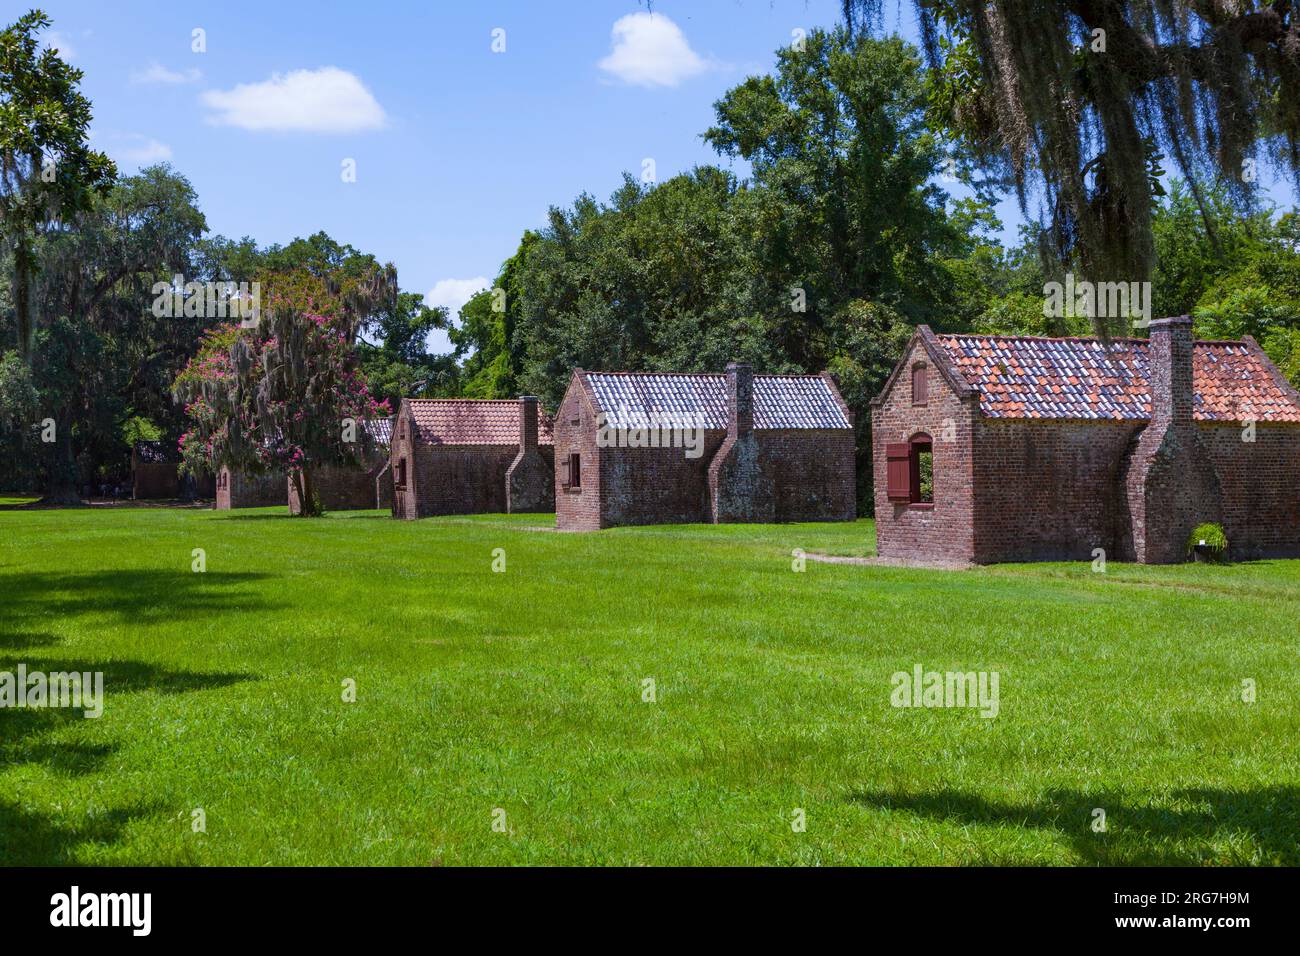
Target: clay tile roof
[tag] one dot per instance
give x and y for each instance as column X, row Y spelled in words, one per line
column 473, row 421
column 1082, row 378
column 780, row 401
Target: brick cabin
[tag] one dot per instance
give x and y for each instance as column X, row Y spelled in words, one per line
column 471, row 456
column 774, row 448
column 355, row 487
column 154, row 471
column 239, row 490
column 1045, row 449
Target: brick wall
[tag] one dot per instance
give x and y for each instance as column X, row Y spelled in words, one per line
column 452, row 479
column 341, row 487
column 1260, row 483
column 237, row 490
column 155, row 480
column 796, row 475
column 577, row 508
column 944, row 530
column 1048, row 490
column 1044, row 489
column 813, row 472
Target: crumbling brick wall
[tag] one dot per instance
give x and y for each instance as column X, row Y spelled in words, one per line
column 238, row 490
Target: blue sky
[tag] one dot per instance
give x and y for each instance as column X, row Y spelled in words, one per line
column 457, row 148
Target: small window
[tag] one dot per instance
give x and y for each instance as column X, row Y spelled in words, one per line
column 910, row 471
column 400, row 474
column 920, row 384
column 575, row 470
column 921, row 471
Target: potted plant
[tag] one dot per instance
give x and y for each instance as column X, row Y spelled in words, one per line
column 1207, row 544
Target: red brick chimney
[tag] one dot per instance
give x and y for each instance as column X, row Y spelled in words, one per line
column 740, row 398
column 527, row 423
column 1169, row 358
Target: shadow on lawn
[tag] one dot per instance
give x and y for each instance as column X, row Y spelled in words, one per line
column 38, row 736
column 31, row 734
column 21, row 640
column 135, row 595
column 1173, row 830
column 33, row 839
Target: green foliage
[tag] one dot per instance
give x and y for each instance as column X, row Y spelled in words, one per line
column 1210, row 538
column 20, row 415
column 275, row 397
column 48, row 173
column 136, row 429
column 825, row 258
column 1079, row 103
column 99, row 355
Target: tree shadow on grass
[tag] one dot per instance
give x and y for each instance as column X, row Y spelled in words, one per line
column 28, row 838
column 39, row 736
column 33, row 735
column 134, row 595
column 1178, row 828
column 21, row 640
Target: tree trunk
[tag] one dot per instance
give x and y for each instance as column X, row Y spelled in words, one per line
column 22, row 296
column 308, row 504
column 62, row 487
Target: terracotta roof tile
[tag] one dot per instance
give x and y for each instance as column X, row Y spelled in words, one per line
column 780, row 401
column 473, row 421
column 1079, row 378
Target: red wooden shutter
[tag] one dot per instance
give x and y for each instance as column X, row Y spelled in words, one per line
column 899, row 482
column 920, row 386
column 564, row 471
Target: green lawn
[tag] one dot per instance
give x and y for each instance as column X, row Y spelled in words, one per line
column 523, row 691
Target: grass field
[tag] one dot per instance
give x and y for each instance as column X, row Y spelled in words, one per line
column 522, row 691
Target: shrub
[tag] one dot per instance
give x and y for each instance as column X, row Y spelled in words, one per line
column 1210, row 540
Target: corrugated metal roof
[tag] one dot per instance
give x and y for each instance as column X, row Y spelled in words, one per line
column 629, row 399
column 1082, row 378
column 380, row 429
column 157, row 452
column 473, row 421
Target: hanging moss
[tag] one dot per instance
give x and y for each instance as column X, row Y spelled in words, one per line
column 1076, row 104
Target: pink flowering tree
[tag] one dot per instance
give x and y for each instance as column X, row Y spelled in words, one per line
column 285, row 395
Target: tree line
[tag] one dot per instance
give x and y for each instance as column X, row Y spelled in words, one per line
column 860, row 213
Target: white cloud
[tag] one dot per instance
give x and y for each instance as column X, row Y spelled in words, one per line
column 328, row 100
column 58, row 42
column 454, row 293
column 138, row 149
column 157, row 73
column 648, row 49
